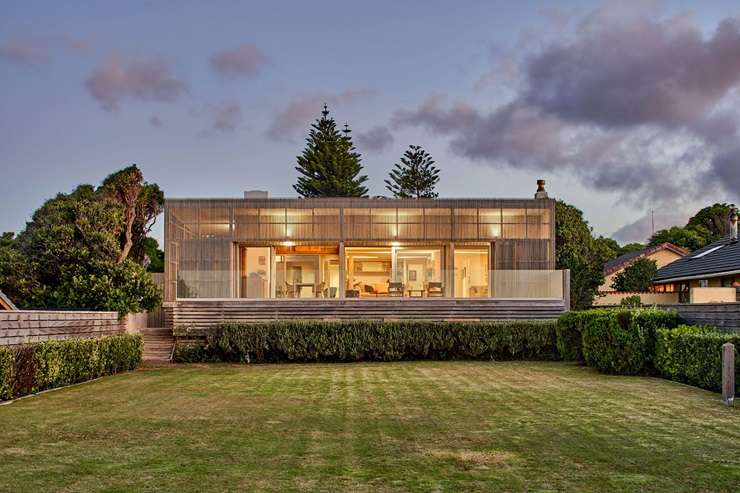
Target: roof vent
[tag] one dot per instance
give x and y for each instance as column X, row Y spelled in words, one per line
column 541, row 192
column 256, row 194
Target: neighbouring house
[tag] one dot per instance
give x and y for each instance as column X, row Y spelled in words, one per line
column 257, row 258
column 707, row 275
column 662, row 254
column 5, row 303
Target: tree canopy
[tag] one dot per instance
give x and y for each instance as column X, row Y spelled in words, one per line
column 709, row 224
column 638, row 276
column 576, row 249
column 329, row 165
column 415, row 176
column 77, row 250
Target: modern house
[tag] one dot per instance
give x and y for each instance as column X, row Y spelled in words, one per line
column 710, row 274
column 662, row 254
column 263, row 258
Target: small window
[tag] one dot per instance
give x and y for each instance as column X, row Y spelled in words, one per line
column 699, row 255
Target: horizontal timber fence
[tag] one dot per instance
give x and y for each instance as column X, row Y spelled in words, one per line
column 208, row 313
column 724, row 316
column 25, row 326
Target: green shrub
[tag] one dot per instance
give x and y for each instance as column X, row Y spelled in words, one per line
column 568, row 333
column 633, row 301
column 367, row 340
column 621, row 341
column 49, row 364
column 693, row 355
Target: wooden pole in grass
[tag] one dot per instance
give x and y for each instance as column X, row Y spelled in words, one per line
column 728, row 374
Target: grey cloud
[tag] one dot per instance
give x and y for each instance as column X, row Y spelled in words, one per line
column 300, row 112
column 118, row 79
column 24, row 52
column 640, row 230
column 375, row 139
column 156, row 121
column 630, row 105
column 244, row 61
column 724, row 173
column 433, row 116
column 227, row 116
column 641, row 72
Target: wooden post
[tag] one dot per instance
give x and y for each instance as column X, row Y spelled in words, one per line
column 728, row 374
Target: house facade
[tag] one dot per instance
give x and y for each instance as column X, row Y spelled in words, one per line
column 662, row 254
column 707, row 275
column 287, row 252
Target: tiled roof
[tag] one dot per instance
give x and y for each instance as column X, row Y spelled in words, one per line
column 5, row 302
column 627, row 258
column 718, row 257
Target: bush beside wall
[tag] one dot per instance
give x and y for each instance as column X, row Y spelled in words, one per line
column 568, row 333
column 615, row 341
column 40, row 366
column 367, row 340
column 693, row 355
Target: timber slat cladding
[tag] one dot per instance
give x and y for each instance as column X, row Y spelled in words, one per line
column 201, row 314
column 32, row 326
column 724, row 316
column 200, row 233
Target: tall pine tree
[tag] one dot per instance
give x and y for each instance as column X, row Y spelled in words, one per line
column 415, row 177
column 329, row 166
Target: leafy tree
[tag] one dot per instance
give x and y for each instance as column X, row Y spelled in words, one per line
column 329, row 165
column 607, row 249
column 415, row 177
column 154, row 257
column 141, row 203
column 630, row 247
column 689, row 237
column 74, row 253
column 715, row 219
column 637, row 276
column 575, row 250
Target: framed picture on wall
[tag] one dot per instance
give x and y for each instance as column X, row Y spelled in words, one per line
column 412, row 275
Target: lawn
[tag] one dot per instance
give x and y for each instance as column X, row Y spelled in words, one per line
column 427, row 426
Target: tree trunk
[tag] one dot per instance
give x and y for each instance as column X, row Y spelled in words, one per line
column 129, row 242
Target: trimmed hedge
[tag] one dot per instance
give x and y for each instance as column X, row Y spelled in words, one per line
column 617, row 341
column 693, row 355
column 568, row 333
column 367, row 340
column 45, row 365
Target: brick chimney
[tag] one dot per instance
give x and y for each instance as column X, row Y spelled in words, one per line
column 733, row 224
column 541, row 192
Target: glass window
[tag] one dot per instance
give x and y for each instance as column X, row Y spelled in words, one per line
column 466, row 215
column 490, row 215
column 471, row 272
column 369, row 271
column 538, row 216
column 254, row 272
column 394, row 272
column 513, row 216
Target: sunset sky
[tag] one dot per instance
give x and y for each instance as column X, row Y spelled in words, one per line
column 622, row 107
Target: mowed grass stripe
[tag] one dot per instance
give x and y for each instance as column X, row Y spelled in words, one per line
column 408, row 426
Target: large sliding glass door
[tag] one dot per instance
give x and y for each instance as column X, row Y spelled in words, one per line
column 289, row 272
column 471, row 272
column 394, row 271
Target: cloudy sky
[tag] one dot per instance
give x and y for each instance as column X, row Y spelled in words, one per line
column 622, row 107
